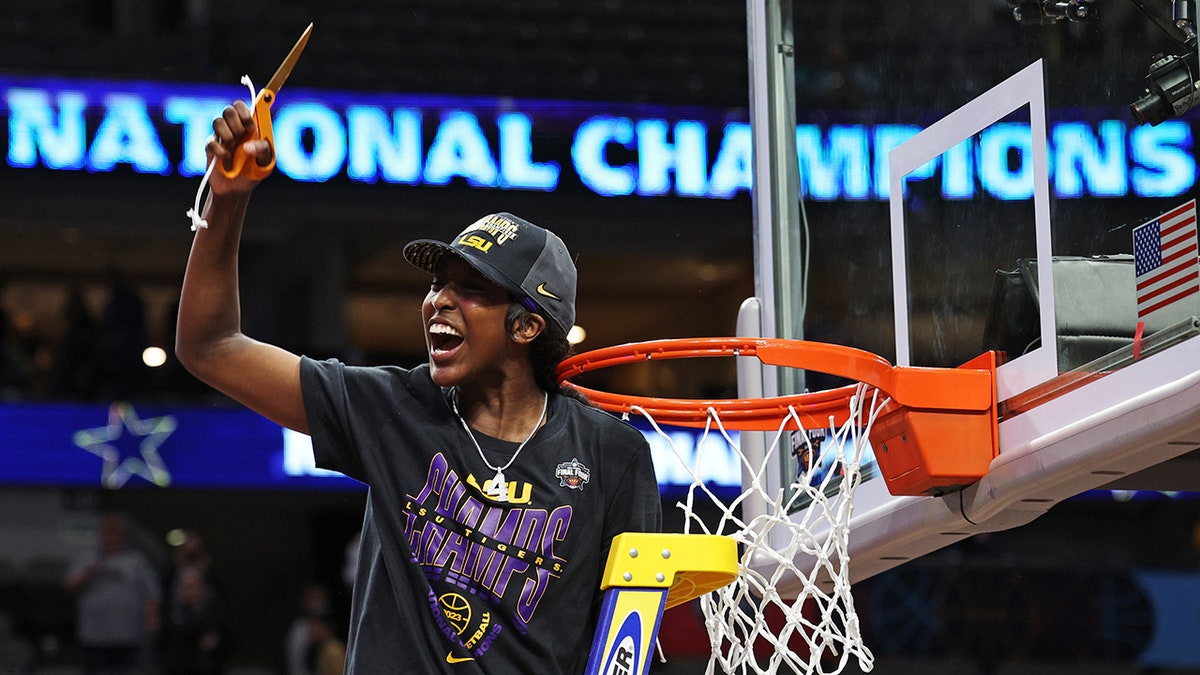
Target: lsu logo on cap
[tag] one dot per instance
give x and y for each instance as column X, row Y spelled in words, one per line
column 476, row 242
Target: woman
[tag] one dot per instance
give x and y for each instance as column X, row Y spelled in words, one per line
column 492, row 495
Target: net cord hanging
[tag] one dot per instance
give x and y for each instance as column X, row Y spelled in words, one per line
column 817, row 630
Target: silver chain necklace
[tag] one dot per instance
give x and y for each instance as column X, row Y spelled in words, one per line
column 497, row 488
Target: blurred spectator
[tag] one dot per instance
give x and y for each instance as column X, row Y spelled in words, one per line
column 118, row 601
column 330, row 656
column 120, row 340
column 191, row 553
column 16, row 366
column 194, row 637
column 313, row 646
column 35, row 349
column 73, row 374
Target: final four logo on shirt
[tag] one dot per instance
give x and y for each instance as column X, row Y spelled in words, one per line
column 572, row 474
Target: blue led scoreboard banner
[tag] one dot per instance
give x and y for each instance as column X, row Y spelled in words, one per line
column 123, row 445
column 608, row 149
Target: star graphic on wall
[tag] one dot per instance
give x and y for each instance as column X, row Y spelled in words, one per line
column 118, row 469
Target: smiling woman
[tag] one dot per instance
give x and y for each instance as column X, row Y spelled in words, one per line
column 474, row 545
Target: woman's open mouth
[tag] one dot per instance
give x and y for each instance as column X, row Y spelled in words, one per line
column 443, row 338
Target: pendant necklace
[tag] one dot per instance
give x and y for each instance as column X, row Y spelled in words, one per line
column 497, row 488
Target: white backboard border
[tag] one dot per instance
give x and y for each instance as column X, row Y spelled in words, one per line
column 1025, row 88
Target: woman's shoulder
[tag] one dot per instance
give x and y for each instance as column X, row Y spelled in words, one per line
column 601, row 421
column 390, row 375
column 384, row 381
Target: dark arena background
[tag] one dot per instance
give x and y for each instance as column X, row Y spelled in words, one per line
column 624, row 126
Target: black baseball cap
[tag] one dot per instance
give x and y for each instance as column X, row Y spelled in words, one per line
column 524, row 259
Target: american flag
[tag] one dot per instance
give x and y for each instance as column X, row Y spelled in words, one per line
column 1165, row 259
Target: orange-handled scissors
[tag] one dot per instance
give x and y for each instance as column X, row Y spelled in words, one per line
column 243, row 164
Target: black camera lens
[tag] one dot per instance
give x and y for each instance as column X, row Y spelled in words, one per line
column 1150, row 109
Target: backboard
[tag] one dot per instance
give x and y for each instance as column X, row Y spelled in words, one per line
column 965, row 243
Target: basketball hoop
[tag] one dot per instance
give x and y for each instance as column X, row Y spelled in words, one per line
column 933, row 430
column 935, row 434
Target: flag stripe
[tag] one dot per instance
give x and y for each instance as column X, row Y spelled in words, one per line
column 1190, row 248
column 1179, row 210
column 1182, row 294
column 1172, row 229
column 1191, row 276
column 1181, row 240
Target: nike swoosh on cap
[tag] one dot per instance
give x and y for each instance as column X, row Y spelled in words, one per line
column 541, row 289
column 451, row 658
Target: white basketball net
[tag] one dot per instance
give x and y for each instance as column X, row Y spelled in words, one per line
column 819, row 627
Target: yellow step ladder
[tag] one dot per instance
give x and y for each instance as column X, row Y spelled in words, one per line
column 646, row 574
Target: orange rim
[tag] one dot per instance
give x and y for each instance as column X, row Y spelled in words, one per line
column 967, row 388
column 818, row 408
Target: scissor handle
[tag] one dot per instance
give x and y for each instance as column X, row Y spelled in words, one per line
column 243, row 164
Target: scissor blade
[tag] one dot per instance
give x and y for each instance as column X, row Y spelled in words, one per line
column 293, row 56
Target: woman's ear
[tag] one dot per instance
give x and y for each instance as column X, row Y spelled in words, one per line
column 524, row 332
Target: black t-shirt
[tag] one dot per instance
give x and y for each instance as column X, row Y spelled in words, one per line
column 448, row 579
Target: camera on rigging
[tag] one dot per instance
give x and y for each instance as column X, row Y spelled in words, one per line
column 1172, row 84
column 1173, row 89
column 1046, row 12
